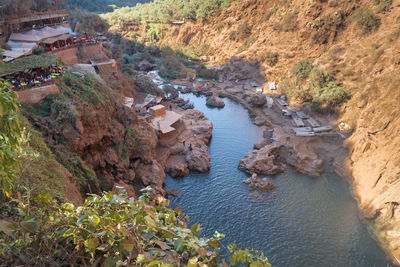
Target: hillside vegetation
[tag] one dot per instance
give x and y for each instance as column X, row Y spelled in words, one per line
column 166, row 11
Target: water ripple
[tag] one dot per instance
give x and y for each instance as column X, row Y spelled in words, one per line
column 303, row 222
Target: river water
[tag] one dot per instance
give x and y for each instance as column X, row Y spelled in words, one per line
column 305, row 221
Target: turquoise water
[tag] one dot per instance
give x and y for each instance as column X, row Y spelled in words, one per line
column 305, row 221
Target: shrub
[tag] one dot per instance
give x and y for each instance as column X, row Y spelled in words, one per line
column 366, row 20
column 330, row 95
column 383, row 5
column 270, row 13
column 203, row 72
column 271, row 58
column 110, row 230
column 303, row 69
column 243, row 31
column 246, row 44
column 171, row 68
column 232, row 35
column 38, row 50
column 145, row 85
column 333, row 3
column 288, row 22
column 326, row 92
column 328, row 27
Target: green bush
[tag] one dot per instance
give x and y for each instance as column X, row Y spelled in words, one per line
column 203, row 72
column 243, row 31
column 232, row 35
column 270, row 13
column 383, row 5
column 110, row 230
column 326, row 92
column 288, row 22
column 246, row 44
column 366, row 20
column 38, row 50
column 171, row 68
column 303, row 68
column 10, row 138
column 271, row 58
column 327, row 27
column 143, row 84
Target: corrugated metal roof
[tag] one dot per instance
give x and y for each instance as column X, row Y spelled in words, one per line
column 37, row 35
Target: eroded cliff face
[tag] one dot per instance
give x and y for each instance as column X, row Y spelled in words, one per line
column 367, row 65
column 374, row 159
column 102, row 144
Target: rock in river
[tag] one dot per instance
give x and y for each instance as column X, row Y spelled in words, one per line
column 215, row 101
column 258, row 99
column 198, row 160
column 256, row 182
column 261, row 161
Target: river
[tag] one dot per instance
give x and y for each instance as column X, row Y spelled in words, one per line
column 305, row 221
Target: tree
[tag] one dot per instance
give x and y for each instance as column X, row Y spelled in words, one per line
column 83, row 21
column 10, row 137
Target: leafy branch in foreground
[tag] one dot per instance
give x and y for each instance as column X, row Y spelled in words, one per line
column 111, row 230
column 10, row 137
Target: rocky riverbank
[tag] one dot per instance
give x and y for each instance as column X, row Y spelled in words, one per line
column 310, row 155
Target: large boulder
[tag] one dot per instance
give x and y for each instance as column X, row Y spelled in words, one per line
column 215, row 101
column 153, row 175
column 177, row 169
column 256, row 182
column 197, row 159
column 261, row 161
column 258, row 99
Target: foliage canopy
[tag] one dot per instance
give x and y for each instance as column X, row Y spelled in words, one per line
column 111, row 230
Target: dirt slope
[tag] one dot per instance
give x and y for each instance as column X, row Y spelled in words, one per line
column 367, row 65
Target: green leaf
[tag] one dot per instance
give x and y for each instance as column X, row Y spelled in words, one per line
column 195, row 228
column 93, row 220
column 192, row 262
column 178, row 244
column 6, row 227
column 141, row 259
column 31, row 225
column 91, row 244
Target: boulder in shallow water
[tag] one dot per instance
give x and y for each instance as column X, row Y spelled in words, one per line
column 257, row 183
column 261, row 161
column 258, row 99
column 215, row 101
column 177, row 169
column 198, row 160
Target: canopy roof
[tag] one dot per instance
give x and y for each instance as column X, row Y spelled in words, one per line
column 37, row 35
column 30, row 62
column 52, row 40
column 16, row 53
column 163, row 123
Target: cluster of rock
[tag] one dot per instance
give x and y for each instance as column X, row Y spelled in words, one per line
column 198, row 133
column 255, row 182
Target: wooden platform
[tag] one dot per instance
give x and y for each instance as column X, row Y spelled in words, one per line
column 313, row 123
column 298, row 122
column 323, row 129
column 303, row 129
column 302, row 115
column 305, row 134
column 281, row 102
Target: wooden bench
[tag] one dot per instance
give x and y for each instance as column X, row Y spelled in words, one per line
column 298, row 122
